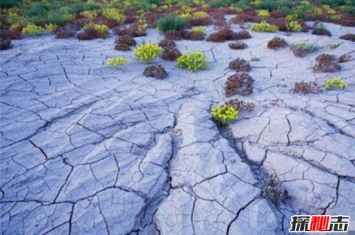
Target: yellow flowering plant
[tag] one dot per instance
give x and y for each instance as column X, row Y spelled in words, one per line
column 50, row 27
column 294, row 26
column 193, row 60
column 147, row 52
column 32, row 30
column 114, row 14
column 101, row 28
column 116, row 62
column 335, row 83
column 199, row 29
column 224, row 114
column 263, row 27
column 263, row 14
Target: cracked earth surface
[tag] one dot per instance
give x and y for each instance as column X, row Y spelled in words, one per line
column 88, row 149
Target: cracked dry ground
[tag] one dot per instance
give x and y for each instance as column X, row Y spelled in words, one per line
column 88, row 149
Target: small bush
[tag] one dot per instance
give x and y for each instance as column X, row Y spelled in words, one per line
column 173, row 35
column 171, row 22
column 264, row 14
column 239, row 45
column 116, row 62
column 326, row 64
column 199, row 30
column 170, row 54
column 147, row 52
column 156, row 71
column 90, row 34
column 126, row 39
column 301, row 49
column 335, row 83
column 5, row 44
column 100, row 28
column 189, row 35
column 344, row 58
column 114, row 14
column 243, row 34
column 219, row 36
column 350, row 37
column 322, row 31
column 224, row 114
column 65, row 32
column 241, row 105
column 199, row 21
column 165, row 44
column 276, row 42
column 271, row 189
column 239, row 84
column 122, row 47
column 240, row 65
column 263, row 27
column 294, row 26
column 50, row 27
column 10, row 35
column 32, row 30
column 193, row 60
column 306, row 88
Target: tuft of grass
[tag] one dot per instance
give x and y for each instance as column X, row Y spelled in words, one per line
column 171, row 22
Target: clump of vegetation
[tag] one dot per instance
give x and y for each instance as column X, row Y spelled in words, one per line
column 240, row 65
column 243, row 34
column 32, row 30
column 264, row 14
column 190, row 35
column 294, row 26
column 126, row 39
column 147, row 52
column 193, row 61
column 173, row 35
column 239, row 45
column 335, row 83
column 306, row 88
column 241, row 105
column 5, row 44
column 319, row 29
column 344, row 58
column 333, row 45
column 100, row 28
column 50, row 27
column 199, row 29
column 114, row 14
column 276, row 43
column 170, row 22
column 227, row 34
column 263, row 27
column 116, row 62
column 224, row 114
column 156, row 71
column 350, row 37
column 301, row 49
column 239, row 84
column 122, row 47
column 170, row 54
column 326, row 63
column 65, row 32
column 165, row 43
column 271, row 189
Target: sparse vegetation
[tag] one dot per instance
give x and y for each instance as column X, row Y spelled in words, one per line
column 116, row 62
column 239, row 45
column 224, row 114
column 240, row 65
column 271, row 189
column 326, row 64
column 276, row 43
column 239, row 84
column 306, row 88
column 335, row 83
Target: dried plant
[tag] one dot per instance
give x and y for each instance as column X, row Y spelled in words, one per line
column 344, row 58
column 241, row 105
column 350, row 37
column 240, row 65
column 276, row 42
column 239, row 84
column 126, row 39
column 306, row 88
column 165, row 44
column 239, row 45
column 173, row 35
column 122, row 47
column 5, row 44
column 326, row 63
column 156, row 71
column 271, row 189
column 170, row 54
column 194, row 36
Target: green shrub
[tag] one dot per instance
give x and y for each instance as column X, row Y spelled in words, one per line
column 264, row 14
column 32, row 30
column 147, row 52
column 36, row 9
column 114, row 14
column 349, row 9
column 224, row 114
column 101, row 28
column 294, row 26
column 8, row 3
column 116, row 62
column 171, row 22
column 263, row 27
column 77, row 7
column 193, row 60
column 266, row 5
column 55, row 17
column 50, row 27
column 335, row 83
